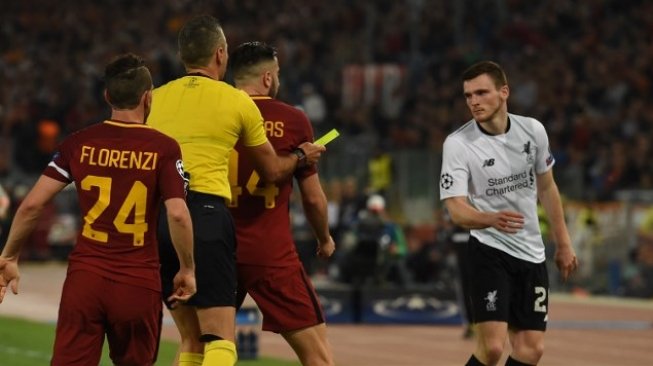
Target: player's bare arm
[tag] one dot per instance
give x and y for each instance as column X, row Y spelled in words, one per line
column 465, row 215
column 24, row 223
column 181, row 232
column 315, row 208
column 549, row 196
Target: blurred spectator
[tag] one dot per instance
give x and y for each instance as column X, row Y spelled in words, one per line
column 430, row 249
column 334, row 196
column 640, row 283
column 352, row 201
column 586, row 239
column 314, row 105
column 380, row 172
column 378, row 256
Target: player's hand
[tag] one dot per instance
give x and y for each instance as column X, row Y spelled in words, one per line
column 566, row 260
column 184, row 287
column 9, row 276
column 326, row 249
column 508, row 221
column 312, row 151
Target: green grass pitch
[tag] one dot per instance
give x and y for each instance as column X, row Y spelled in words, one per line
column 27, row 343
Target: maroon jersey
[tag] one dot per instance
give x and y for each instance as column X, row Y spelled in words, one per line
column 261, row 209
column 121, row 171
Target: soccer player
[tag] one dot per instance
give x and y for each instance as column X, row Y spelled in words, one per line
column 269, row 268
column 207, row 117
column 494, row 169
column 122, row 169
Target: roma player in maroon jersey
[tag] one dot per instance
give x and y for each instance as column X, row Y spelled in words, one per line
column 122, row 169
column 269, row 268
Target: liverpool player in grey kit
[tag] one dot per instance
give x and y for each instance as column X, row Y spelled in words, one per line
column 494, row 169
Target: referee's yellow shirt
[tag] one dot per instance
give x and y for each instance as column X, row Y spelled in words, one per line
column 206, row 117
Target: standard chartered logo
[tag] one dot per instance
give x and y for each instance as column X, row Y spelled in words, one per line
column 510, row 183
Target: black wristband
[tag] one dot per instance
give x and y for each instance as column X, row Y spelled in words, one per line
column 301, row 157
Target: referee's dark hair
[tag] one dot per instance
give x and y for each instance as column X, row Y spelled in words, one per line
column 126, row 78
column 492, row 69
column 247, row 56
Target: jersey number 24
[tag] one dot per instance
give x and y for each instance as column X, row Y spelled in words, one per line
column 136, row 200
column 268, row 192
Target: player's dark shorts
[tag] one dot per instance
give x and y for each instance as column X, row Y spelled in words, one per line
column 508, row 289
column 215, row 252
column 92, row 305
column 285, row 296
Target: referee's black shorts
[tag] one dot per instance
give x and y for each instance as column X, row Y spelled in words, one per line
column 215, row 252
column 508, row 289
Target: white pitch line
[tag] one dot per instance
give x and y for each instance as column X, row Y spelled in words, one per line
column 29, row 353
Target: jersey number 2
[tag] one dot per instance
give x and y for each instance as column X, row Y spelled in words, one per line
column 539, row 301
column 136, row 200
column 269, row 192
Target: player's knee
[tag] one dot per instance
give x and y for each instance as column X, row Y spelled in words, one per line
column 492, row 351
column 539, row 351
column 536, row 351
column 530, row 352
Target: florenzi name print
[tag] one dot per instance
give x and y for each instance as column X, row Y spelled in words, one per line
column 121, row 159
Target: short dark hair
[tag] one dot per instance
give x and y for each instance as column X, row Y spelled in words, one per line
column 248, row 55
column 126, row 78
column 492, row 69
column 198, row 40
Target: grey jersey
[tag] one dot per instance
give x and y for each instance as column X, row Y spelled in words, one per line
column 499, row 173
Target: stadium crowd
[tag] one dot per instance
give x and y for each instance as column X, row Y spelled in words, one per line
column 583, row 69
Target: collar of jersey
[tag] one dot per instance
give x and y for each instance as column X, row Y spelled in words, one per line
column 125, row 124
column 199, row 74
column 489, row 134
column 260, row 97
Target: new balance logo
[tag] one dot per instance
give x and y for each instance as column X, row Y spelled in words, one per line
column 488, row 162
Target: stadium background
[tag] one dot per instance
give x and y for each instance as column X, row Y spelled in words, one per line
column 386, row 74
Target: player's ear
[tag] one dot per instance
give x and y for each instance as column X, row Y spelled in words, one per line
column 267, row 79
column 216, row 56
column 106, row 97
column 221, row 55
column 146, row 98
column 505, row 91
